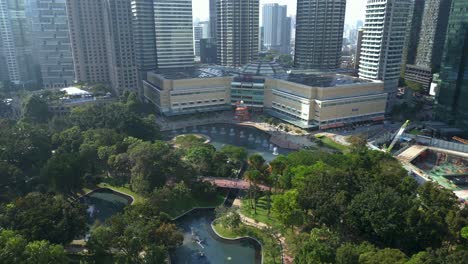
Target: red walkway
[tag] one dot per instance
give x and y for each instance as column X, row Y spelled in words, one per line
column 232, row 183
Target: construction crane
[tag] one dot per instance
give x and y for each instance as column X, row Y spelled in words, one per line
column 459, row 139
column 397, row 136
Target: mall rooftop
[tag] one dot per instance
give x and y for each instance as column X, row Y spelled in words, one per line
column 324, row 79
column 196, row 72
column 263, row 69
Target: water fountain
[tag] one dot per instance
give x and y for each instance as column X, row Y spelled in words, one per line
column 223, row 131
column 258, row 140
column 90, row 211
column 242, row 134
column 270, row 147
column 251, row 138
column 275, row 151
column 231, row 132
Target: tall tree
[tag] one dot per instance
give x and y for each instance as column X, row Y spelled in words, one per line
column 35, row 109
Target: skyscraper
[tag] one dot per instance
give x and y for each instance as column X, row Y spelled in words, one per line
column 52, row 42
column 162, row 34
column 413, row 31
column 357, row 56
column 174, row 33
column 197, row 35
column 18, row 62
column 452, row 94
column 102, row 42
column 319, row 33
column 119, row 44
column 213, row 19
column 383, row 42
column 144, row 36
column 432, row 36
column 206, row 29
column 8, row 45
column 427, row 46
column 277, row 27
column 88, row 39
column 237, row 31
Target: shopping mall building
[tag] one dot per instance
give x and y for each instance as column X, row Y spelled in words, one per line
column 308, row 100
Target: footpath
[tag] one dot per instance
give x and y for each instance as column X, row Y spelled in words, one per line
column 286, row 256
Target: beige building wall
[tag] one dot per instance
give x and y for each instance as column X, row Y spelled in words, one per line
column 311, row 105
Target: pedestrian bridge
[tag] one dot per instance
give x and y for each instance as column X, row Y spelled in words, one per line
column 232, row 183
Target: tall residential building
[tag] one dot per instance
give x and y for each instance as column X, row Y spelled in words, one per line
column 213, row 19
column 276, row 26
column 88, row 38
column 197, row 35
column 102, row 42
column 382, row 43
column 452, row 94
column 52, row 42
column 16, row 48
column 174, row 33
column 237, row 31
column 119, row 44
column 319, row 34
column 429, row 43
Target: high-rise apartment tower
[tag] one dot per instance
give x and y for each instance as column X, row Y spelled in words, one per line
column 276, row 28
column 237, row 31
column 319, row 34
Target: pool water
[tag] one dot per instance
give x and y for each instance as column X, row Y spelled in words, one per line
column 250, row 138
column 212, row 249
column 103, row 203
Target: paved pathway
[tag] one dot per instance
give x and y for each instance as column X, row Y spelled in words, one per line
column 287, row 258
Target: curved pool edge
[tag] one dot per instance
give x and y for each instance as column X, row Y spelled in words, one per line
column 126, row 195
column 238, row 238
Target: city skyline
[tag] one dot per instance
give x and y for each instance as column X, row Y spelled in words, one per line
column 355, row 9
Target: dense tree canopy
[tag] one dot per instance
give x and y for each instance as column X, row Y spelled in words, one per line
column 44, row 217
column 15, row 249
column 139, row 235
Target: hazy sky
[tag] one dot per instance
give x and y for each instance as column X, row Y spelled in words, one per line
column 354, row 9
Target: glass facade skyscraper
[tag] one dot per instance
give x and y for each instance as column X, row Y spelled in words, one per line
column 452, row 95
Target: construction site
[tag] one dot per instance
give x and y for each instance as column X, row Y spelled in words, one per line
column 429, row 159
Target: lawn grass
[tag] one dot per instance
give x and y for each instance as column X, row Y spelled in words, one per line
column 271, row 250
column 225, row 232
column 181, row 207
column 332, row 144
column 262, row 212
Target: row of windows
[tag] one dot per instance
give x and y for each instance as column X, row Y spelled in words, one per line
column 199, row 102
column 383, row 97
